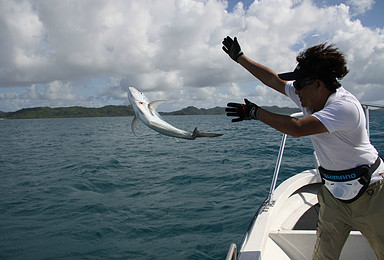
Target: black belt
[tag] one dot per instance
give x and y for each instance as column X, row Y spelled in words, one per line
column 376, row 165
column 362, row 174
column 363, row 171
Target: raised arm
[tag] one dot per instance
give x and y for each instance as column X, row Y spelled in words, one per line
column 261, row 72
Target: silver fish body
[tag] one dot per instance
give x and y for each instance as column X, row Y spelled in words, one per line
column 145, row 111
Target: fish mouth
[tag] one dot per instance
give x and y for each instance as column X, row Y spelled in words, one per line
column 130, row 94
column 133, row 94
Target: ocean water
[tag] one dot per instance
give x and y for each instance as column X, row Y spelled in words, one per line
column 87, row 188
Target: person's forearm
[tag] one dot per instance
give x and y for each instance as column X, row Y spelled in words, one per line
column 282, row 123
column 292, row 126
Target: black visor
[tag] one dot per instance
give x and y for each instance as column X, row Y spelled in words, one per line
column 300, row 72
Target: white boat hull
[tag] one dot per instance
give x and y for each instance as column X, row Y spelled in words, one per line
column 286, row 229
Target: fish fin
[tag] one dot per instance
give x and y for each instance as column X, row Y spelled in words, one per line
column 154, row 104
column 133, row 125
column 197, row 133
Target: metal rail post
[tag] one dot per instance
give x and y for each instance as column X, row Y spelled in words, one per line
column 277, row 169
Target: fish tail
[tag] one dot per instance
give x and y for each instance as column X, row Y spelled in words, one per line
column 197, row 133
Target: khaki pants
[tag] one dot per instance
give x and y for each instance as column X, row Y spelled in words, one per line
column 337, row 219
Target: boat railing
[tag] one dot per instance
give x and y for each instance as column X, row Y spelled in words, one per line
column 232, row 252
column 366, row 110
column 269, row 201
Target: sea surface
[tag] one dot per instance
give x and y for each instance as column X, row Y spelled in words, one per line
column 87, row 188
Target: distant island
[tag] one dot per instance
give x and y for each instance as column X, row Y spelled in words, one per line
column 68, row 112
column 116, row 111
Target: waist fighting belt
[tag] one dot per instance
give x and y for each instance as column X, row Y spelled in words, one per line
column 348, row 185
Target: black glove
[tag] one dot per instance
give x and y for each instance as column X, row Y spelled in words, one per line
column 245, row 111
column 232, row 48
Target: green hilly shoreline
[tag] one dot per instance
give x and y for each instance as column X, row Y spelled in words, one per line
column 114, row 111
column 69, row 112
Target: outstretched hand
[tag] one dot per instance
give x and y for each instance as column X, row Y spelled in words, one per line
column 245, row 111
column 232, row 48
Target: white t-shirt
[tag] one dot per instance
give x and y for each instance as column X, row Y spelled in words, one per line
column 346, row 145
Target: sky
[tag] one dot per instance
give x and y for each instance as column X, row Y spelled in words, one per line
column 87, row 52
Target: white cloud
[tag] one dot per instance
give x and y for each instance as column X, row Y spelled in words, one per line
column 57, row 90
column 53, row 94
column 171, row 49
column 360, row 6
column 114, row 89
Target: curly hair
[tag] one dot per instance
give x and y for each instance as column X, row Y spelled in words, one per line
column 326, row 63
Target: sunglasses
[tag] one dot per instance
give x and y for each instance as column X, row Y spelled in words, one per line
column 299, row 85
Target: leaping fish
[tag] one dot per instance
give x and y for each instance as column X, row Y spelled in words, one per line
column 145, row 111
